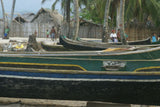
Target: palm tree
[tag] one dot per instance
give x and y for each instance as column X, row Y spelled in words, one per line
column 13, row 7
column 12, row 13
column 141, row 9
column 54, row 4
column 68, row 16
column 76, row 19
column 3, row 16
column 65, row 4
column 105, row 25
column 96, row 10
column 118, row 15
column 122, row 11
column 134, row 9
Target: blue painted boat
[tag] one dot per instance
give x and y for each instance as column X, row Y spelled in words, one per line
column 38, row 80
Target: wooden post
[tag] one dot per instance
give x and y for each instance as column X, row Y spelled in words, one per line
column 38, row 29
column 32, row 43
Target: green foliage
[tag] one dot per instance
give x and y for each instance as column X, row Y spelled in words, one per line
column 94, row 10
column 134, row 9
column 141, row 9
column 85, row 14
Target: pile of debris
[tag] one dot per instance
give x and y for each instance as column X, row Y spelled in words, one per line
column 14, row 45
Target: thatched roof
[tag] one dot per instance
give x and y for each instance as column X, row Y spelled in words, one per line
column 20, row 19
column 15, row 22
column 27, row 17
column 88, row 22
column 1, row 19
column 84, row 22
column 48, row 16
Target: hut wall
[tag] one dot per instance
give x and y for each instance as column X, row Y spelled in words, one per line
column 85, row 31
column 135, row 32
column 26, row 29
column 138, row 32
column 1, row 28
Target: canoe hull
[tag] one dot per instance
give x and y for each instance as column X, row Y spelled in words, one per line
column 53, row 47
column 85, row 64
column 33, row 80
column 86, row 45
column 131, row 92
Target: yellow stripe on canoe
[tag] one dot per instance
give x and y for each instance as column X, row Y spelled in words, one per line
column 22, row 63
column 145, row 68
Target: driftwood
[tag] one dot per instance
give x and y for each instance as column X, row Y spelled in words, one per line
column 42, row 102
column 32, row 44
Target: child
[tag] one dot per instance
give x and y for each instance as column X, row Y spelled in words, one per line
column 47, row 33
column 154, row 38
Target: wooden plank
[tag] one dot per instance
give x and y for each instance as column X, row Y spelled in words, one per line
column 105, row 104
column 42, row 102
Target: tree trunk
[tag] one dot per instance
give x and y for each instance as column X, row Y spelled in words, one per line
column 122, row 8
column 118, row 16
column 76, row 19
column 105, row 35
column 4, row 26
column 64, row 11
column 12, row 13
column 32, row 44
column 68, row 17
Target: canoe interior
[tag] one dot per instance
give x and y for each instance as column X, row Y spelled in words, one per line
column 53, row 47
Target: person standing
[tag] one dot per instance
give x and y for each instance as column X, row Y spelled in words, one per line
column 53, row 33
column 47, row 33
column 119, row 35
column 126, row 36
column 56, row 35
column 154, row 37
column 35, row 33
column 6, row 32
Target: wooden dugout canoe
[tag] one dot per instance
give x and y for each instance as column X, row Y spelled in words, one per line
column 88, row 45
column 52, row 47
column 91, row 60
column 118, row 87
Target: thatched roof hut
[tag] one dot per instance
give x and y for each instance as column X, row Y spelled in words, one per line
column 48, row 16
column 25, row 18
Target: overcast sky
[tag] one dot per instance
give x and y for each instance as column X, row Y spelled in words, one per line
column 23, row 6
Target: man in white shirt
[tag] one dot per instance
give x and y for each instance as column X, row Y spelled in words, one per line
column 113, row 36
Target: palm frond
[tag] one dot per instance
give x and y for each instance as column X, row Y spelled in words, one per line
column 54, row 4
column 43, row 1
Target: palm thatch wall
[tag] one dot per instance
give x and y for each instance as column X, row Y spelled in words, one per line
column 88, row 29
column 25, row 25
